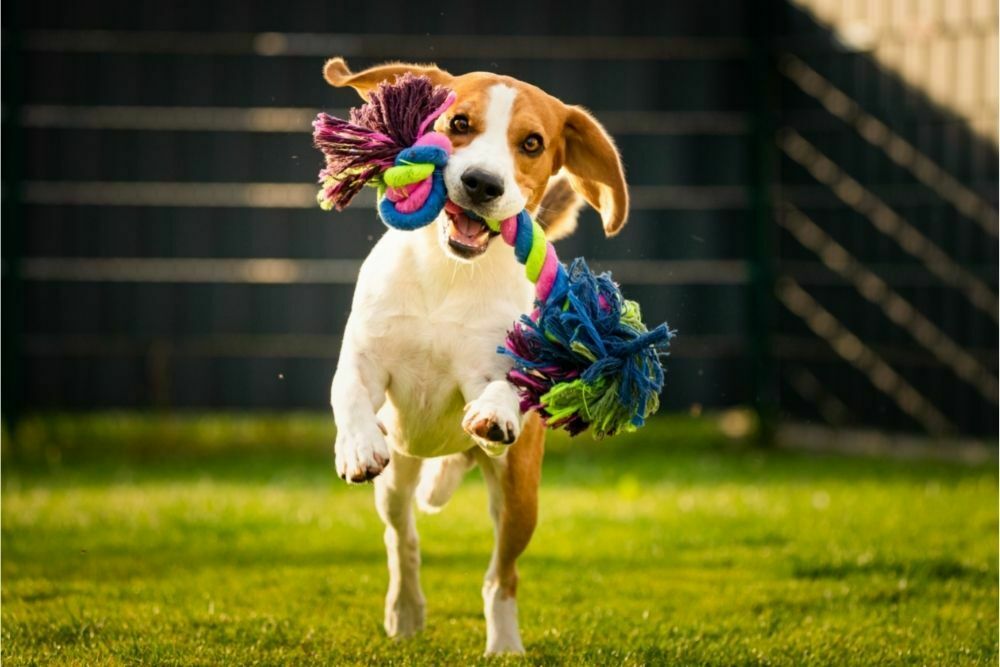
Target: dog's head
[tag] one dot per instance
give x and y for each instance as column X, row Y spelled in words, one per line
column 510, row 139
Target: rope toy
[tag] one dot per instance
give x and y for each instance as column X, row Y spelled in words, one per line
column 583, row 358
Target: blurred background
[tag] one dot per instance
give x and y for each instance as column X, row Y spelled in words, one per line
column 814, row 189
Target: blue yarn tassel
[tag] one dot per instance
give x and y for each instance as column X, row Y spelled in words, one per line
column 586, row 331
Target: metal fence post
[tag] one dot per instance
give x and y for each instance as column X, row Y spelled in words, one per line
column 13, row 230
column 761, row 30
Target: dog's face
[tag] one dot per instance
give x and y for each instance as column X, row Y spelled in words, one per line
column 510, row 139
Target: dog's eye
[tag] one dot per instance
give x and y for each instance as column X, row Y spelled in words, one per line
column 532, row 145
column 459, row 124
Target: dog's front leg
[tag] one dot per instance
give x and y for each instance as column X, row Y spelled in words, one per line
column 357, row 393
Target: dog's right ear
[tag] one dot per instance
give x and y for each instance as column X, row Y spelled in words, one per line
column 338, row 75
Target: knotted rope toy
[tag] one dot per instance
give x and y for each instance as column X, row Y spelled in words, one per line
column 583, row 358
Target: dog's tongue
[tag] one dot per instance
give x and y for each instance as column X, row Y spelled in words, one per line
column 467, row 227
column 465, row 230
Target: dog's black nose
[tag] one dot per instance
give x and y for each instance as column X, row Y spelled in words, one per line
column 481, row 186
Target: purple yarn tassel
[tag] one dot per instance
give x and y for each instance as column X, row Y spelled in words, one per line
column 359, row 150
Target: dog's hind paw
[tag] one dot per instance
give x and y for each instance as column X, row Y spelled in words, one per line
column 404, row 617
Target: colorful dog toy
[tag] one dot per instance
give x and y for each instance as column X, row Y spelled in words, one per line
column 583, row 358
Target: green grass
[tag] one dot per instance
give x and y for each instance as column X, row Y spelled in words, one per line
column 230, row 541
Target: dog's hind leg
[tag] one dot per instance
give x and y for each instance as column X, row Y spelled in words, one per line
column 513, row 481
column 404, row 601
column 440, row 478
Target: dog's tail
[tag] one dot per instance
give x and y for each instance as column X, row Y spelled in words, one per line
column 439, row 478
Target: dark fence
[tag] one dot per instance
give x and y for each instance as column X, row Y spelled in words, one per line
column 887, row 219
column 162, row 245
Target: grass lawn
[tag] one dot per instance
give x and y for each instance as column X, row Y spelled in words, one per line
column 230, row 541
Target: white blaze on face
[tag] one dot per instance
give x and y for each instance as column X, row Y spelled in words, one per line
column 491, row 152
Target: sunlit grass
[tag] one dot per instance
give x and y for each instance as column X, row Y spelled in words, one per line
column 229, row 540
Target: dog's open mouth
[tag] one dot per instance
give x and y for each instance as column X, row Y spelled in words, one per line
column 467, row 237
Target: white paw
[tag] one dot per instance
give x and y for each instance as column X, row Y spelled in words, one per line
column 404, row 616
column 361, row 455
column 491, row 422
column 502, row 633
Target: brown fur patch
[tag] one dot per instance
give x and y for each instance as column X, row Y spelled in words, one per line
column 558, row 211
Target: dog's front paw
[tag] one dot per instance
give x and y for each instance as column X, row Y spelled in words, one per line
column 361, row 456
column 491, row 422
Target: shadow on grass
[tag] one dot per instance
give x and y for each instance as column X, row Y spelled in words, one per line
column 942, row 568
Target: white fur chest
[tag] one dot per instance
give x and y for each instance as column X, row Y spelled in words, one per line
column 434, row 323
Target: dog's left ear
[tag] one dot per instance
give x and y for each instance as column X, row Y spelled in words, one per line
column 595, row 168
column 338, row 74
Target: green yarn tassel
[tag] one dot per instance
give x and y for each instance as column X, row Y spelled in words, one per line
column 597, row 402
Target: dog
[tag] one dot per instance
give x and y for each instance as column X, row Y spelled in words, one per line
column 420, row 394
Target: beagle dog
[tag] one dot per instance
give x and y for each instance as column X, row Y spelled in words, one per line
column 420, row 394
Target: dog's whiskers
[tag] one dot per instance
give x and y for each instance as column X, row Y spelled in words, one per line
column 454, row 273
